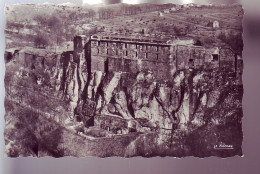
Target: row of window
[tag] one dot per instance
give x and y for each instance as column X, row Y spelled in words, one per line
column 126, row 53
column 159, row 70
column 215, row 57
column 127, row 45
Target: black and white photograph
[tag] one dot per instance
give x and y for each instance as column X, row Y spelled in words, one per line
column 123, row 79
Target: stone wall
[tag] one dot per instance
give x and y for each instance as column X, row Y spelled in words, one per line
column 113, row 124
column 196, row 57
column 112, row 55
column 228, row 59
column 33, row 61
column 132, row 55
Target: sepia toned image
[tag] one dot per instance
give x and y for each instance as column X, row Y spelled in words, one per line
column 123, row 80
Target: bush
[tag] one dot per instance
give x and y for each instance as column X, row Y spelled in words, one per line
column 33, row 133
column 235, row 41
column 207, row 41
column 40, row 42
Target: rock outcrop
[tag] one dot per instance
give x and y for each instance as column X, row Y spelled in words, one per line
column 193, row 108
column 183, row 102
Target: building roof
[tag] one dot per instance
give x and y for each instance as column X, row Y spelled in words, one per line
column 140, row 38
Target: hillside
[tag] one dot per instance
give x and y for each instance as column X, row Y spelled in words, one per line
column 61, row 23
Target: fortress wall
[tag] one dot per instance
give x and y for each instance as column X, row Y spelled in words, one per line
column 183, row 56
column 228, row 59
column 124, row 65
column 123, row 56
column 133, row 55
column 114, row 64
column 197, row 57
column 21, row 57
column 163, row 71
column 39, row 61
column 79, row 46
column 28, row 60
column 211, row 62
column 97, row 63
column 133, row 66
column 32, row 61
column 113, row 124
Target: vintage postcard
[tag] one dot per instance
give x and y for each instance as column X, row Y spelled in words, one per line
column 123, row 80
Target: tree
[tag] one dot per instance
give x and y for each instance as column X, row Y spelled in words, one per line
column 51, row 27
column 177, row 30
column 53, row 22
column 235, row 41
column 92, row 14
column 40, row 42
column 72, row 16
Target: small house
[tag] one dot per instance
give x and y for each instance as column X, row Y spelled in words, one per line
column 213, row 24
column 167, row 11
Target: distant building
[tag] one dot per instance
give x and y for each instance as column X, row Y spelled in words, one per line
column 114, row 124
column 189, row 5
column 167, row 11
column 160, row 14
column 173, row 9
column 214, row 24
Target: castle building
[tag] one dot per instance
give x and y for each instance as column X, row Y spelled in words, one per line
column 162, row 57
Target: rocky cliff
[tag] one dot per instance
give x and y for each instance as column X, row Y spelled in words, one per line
column 204, row 105
column 190, row 114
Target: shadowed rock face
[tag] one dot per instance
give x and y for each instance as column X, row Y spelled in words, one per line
column 203, row 107
column 185, row 99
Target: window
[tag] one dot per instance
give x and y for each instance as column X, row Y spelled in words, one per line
column 126, row 53
column 215, row 57
column 191, row 63
column 125, row 45
column 98, row 43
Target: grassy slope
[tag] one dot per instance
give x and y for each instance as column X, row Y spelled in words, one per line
column 185, row 22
